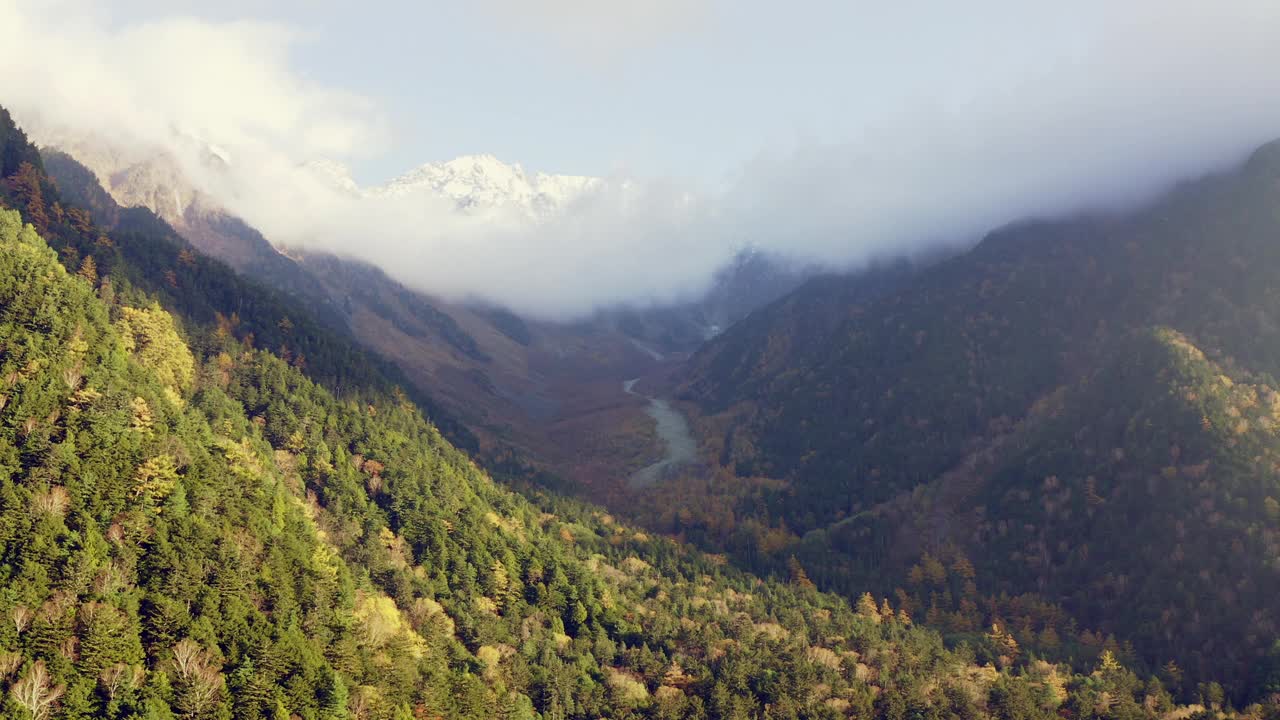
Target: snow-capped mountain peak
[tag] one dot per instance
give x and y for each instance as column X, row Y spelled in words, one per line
column 473, row 184
column 480, row 183
column 334, row 173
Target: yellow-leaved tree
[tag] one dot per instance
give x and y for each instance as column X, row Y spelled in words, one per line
column 153, row 339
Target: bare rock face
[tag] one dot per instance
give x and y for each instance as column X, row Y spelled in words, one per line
column 154, row 183
column 133, row 176
column 152, row 178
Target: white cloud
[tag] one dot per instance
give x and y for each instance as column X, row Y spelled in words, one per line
column 178, row 84
column 1151, row 93
column 1099, row 105
column 227, row 81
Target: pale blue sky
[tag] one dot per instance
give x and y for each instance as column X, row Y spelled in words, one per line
column 683, row 89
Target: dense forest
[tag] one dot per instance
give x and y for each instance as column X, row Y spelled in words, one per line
column 137, row 249
column 1069, row 427
column 199, row 522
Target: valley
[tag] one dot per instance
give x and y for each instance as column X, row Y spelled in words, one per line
column 658, row 419
column 551, row 399
column 680, row 448
column 639, row 361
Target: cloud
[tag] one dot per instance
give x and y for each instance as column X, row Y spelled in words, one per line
column 966, row 119
column 603, row 249
column 1151, row 93
column 182, row 85
column 155, row 80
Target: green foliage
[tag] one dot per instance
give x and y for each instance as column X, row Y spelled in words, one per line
column 260, row 577
column 1082, row 407
column 149, row 334
column 140, row 260
column 230, row 539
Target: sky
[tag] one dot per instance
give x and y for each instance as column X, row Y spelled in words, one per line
column 832, row 131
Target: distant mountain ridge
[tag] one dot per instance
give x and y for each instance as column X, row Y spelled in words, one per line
column 502, row 375
column 475, row 184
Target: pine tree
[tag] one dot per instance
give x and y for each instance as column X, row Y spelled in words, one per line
column 88, row 270
column 886, row 611
column 798, row 575
column 1107, row 662
column 25, row 183
column 867, row 607
column 1004, row 644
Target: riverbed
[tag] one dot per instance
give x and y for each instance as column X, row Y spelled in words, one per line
column 679, row 447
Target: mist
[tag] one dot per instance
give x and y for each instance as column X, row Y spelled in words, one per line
column 1100, row 105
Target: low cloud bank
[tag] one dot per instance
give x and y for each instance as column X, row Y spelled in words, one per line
column 1143, row 93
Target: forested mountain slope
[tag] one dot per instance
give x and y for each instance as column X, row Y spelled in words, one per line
column 191, row 527
column 1077, row 408
column 135, row 248
column 515, row 392
column 978, row 338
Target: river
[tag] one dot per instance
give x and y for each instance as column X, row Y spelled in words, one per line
column 673, row 430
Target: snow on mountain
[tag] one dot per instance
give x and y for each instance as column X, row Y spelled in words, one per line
column 482, row 182
column 475, row 184
column 334, row 173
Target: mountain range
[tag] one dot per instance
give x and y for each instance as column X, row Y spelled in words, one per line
column 1034, row 479
column 513, row 382
column 213, row 505
column 475, row 184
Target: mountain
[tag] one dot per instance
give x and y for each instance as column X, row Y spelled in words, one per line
column 334, row 174
column 191, row 527
column 478, row 183
column 750, row 279
column 473, row 184
column 204, row 539
column 499, row 383
column 1077, row 409
column 493, row 394
column 154, row 180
